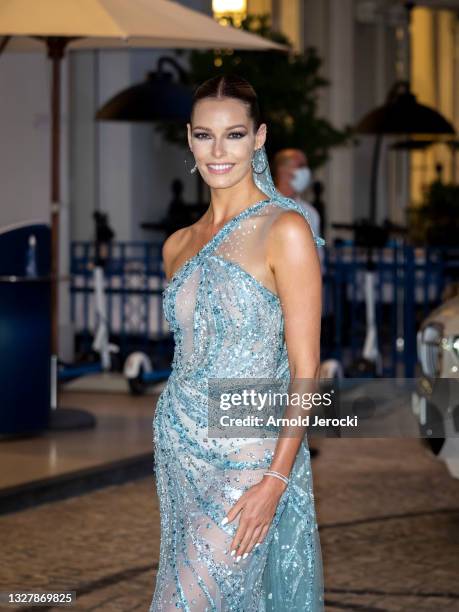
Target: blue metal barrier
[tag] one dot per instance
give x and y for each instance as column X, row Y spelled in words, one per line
column 134, row 281
column 409, row 284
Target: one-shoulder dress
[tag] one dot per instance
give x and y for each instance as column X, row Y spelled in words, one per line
column 227, row 324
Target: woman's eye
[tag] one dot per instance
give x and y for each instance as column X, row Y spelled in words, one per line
column 232, row 135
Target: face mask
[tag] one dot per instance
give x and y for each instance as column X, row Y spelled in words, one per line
column 301, row 179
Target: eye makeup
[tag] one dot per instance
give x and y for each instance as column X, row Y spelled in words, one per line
column 232, row 135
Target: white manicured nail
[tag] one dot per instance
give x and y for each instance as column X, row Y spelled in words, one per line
column 245, row 555
column 233, row 552
column 224, row 521
column 257, row 544
column 238, row 559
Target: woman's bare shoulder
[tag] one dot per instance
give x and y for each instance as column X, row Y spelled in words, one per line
column 288, row 222
column 172, row 241
column 289, row 232
column 174, row 244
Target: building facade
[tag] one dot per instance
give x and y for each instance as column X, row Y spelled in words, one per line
column 126, row 169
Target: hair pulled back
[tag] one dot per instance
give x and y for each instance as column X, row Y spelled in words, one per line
column 230, row 86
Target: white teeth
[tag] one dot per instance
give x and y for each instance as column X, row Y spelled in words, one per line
column 220, row 166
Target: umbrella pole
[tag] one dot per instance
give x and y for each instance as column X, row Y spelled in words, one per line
column 56, row 49
column 374, row 178
column 65, row 418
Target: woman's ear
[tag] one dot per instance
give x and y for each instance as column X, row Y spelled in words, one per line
column 260, row 137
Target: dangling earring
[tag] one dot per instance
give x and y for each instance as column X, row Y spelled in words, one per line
column 259, row 160
column 193, row 169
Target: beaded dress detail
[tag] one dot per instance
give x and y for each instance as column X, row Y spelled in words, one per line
column 227, row 324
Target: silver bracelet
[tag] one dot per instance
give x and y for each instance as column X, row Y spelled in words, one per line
column 274, row 474
column 286, row 478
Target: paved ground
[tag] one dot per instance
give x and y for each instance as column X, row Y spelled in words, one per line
column 389, row 524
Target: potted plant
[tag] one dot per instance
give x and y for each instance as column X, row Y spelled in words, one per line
column 436, row 221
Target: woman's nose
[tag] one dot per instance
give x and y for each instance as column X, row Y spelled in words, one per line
column 218, row 148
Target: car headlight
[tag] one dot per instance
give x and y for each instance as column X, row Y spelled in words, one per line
column 455, row 345
column 430, row 348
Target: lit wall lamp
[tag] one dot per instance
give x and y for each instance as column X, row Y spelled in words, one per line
column 223, row 9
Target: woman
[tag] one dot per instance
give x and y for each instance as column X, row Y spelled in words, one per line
column 238, row 524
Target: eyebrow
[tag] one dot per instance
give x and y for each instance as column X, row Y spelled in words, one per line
column 198, row 127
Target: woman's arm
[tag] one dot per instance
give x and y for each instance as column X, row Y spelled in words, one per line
column 293, row 259
column 296, row 267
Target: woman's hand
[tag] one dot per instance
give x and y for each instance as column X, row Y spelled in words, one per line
column 257, row 507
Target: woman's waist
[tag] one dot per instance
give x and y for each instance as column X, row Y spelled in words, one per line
column 193, row 372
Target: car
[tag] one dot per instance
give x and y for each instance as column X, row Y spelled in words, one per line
column 436, row 399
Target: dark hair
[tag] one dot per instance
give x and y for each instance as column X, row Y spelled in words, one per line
column 230, row 86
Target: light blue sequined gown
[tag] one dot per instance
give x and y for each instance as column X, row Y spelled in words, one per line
column 227, row 324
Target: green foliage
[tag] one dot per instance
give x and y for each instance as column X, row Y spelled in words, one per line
column 436, row 221
column 287, row 85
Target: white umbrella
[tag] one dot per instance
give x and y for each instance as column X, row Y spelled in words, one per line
column 118, row 23
column 58, row 25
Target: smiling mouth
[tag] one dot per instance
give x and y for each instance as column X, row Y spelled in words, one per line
column 219, row 168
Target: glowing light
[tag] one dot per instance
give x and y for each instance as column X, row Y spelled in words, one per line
column 229, row 6
column 224, row 10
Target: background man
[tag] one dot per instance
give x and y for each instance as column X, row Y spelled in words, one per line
column 292, row 176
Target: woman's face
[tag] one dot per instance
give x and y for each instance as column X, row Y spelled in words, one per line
column 222, row 139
